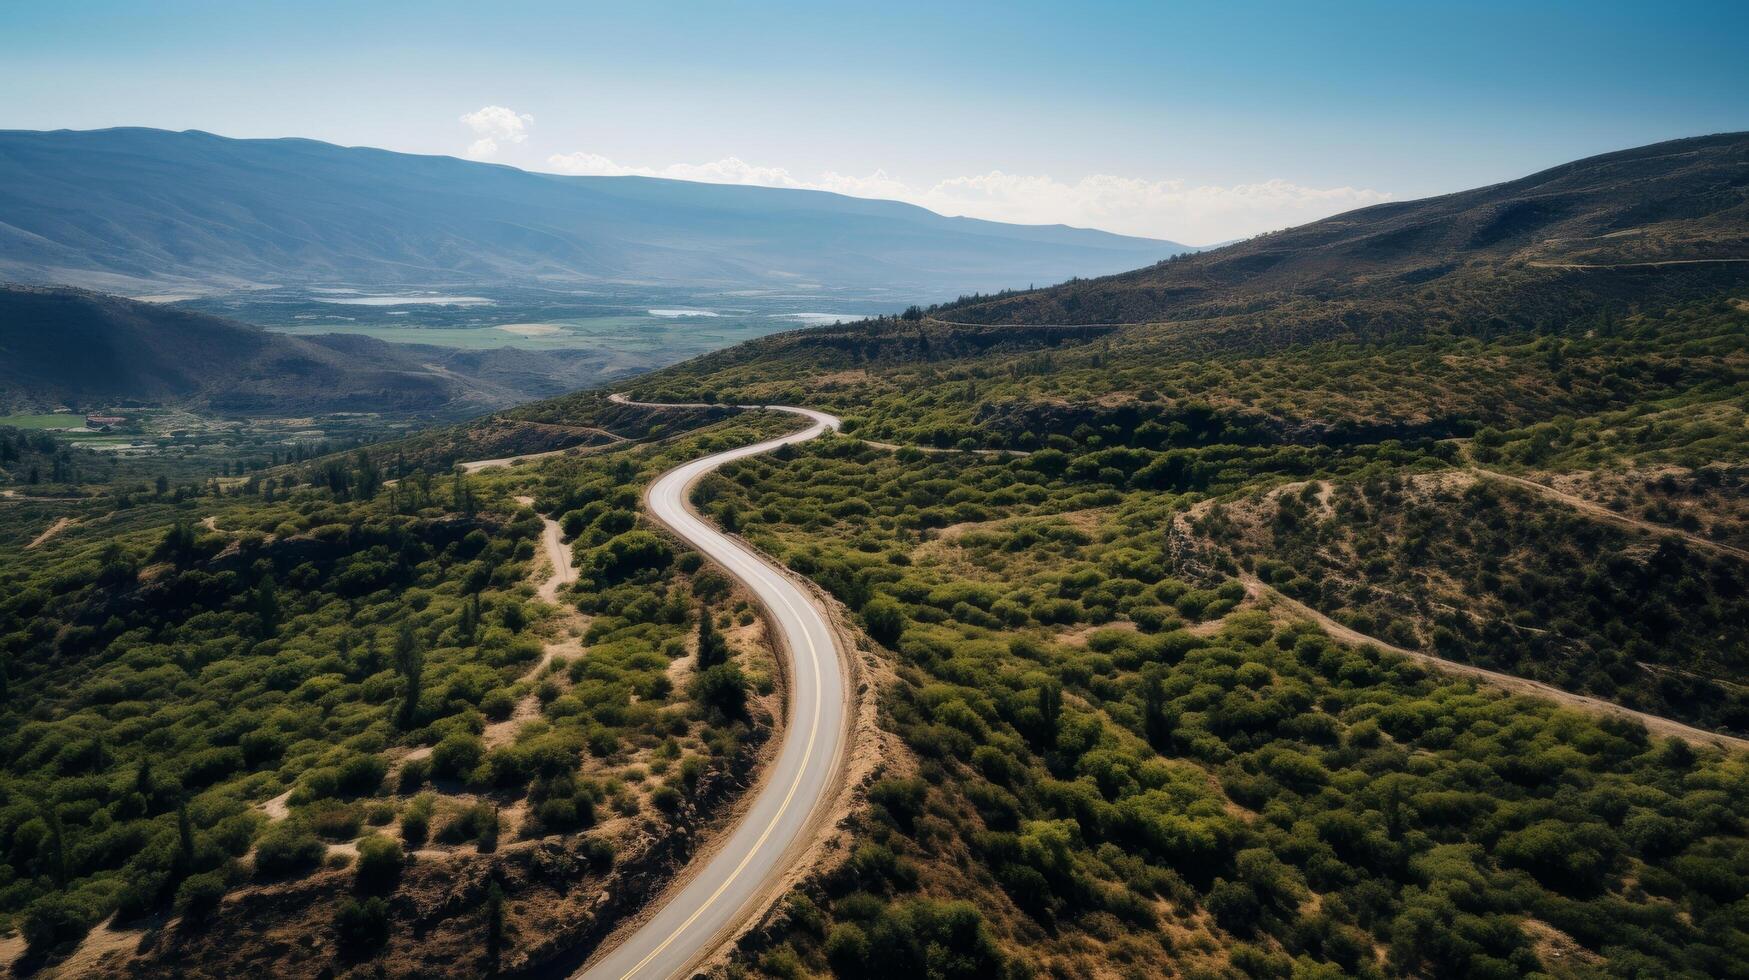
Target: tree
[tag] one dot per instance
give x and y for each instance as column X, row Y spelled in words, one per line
column 410, row 663
column 369, row 479
column 266, row 605
column 464, row 496
column 712, row 648
column 470, row 619
column 183, row 863
column 494, row 926
column 1158, row 717
column 57, row 848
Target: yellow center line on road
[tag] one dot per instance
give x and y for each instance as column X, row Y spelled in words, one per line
column 758, row 845
column 746, row 561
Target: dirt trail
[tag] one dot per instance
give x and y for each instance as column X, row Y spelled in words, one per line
column 1266, row 596
column 52, row 530
column 14, row 497
column 1629, row 265
column 552, row 541
column 567, row 646
column 279, row 807
column 480, row 464
column 1597, row 510
column 613, row 439
column 895, row 447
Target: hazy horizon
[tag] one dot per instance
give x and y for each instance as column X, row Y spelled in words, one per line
column 1192, row 125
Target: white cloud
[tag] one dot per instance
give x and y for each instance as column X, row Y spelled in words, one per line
column 494, row 124
column 1194, row 214
column 729, row 170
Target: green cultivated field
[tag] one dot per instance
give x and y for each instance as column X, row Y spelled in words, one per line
column 632, row 334
column 60, row 420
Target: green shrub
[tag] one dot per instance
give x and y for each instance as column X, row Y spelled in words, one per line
column 847, row 951
column 380, row 860
column 498, row 704
column 362, row 774
column 416, row 820
column 199, row 895
column 55, row 921
column 884, row 618
column 362, row 926
column 336, row 823
column 721, row 690
column 414, row 773
column 288, row 849
column 457, row 755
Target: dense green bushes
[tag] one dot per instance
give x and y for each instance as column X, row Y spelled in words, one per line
column 179, row 666
column 1488, row 573
column 1303, row 803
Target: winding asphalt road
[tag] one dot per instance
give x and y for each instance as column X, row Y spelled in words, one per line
column 749, row 865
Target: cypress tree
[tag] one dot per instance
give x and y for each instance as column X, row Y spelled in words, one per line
column 712, row 648
column 267, row 605
column 57, row 855
column 410, row 661
column 184, row 861
column 494, row 926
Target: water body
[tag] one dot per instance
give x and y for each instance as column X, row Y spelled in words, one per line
column 405, row 300
column 678, row 313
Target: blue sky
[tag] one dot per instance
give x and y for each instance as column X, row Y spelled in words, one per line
column 1196, row 122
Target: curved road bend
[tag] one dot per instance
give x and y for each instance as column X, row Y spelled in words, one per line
column 742, row 871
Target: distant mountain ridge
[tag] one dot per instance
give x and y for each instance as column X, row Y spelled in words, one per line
column 1667, row 220
column 72, row 347
column 127, row 210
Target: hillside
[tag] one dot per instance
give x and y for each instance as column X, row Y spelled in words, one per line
column 1295, row 593
column 1326, row 625
column 1627, row 226
column 88, row 350
column 133, row 210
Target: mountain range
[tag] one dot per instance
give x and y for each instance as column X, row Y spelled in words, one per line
column 143, row 210
column 1665, row 220
column 63, row 346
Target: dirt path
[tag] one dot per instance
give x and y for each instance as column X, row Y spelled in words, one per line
column 477, row 465
column 52, row 530
column 552, row 540
column 1597, row 510
column 566, row 647
column 279, row 807
column 14, row 497
column 1264, row 595
column 895, row 447
column 587, row 430
column 613, row 439
column 1630, row 265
